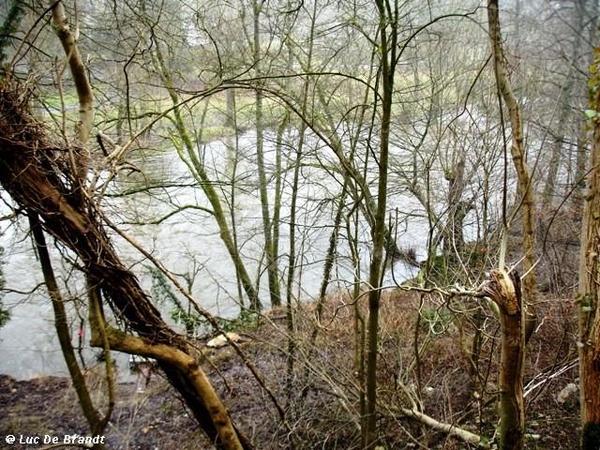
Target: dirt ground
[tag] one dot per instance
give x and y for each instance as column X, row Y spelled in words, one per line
column 47, row 408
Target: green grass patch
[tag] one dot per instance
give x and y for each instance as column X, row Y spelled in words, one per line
column 55, row 102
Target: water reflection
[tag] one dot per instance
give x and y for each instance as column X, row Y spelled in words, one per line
column 187, row 243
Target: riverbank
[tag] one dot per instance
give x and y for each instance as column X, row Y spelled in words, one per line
column 319, row 389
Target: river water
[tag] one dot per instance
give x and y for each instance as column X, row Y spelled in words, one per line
column 187, row 243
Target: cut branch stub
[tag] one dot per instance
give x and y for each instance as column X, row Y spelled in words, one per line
column 505, row 290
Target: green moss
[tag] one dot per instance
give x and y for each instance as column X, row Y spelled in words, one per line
column 247, row 319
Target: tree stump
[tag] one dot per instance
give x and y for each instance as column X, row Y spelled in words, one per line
column 504, row 289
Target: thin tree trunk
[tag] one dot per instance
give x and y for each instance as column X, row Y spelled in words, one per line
column 292, row 273
column 232, row 145
column 230, row 117
column 270, row 244
column 582, row 141
column 359, row 324
column 291, row 276
column 525, row 185
column 512, row 308
column 82, row 85
column 565, row 109
column 96, row 421
column 205, row 182
column 457, row 209
column 388, row 21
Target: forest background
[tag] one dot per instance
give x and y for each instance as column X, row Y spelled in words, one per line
column 434, row 162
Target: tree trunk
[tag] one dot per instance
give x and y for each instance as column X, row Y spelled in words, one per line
column 388, row 22
column 565, row 108
column 591, row 14
column 197, row 169
column 80, row 161
column 269, row 236
column 589, row 291
column 454, row 239
column 96, row 421
column 525, row 184
column 505, row 291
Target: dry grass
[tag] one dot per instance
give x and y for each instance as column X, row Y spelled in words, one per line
column 321, row 392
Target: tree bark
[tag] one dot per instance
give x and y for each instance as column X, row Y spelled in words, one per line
column 589, row 279
column 171, row 357
column 505, row 290
column 388, row 22
column 450, row 429
column 270, row 236
column 68, row 40
column 96, row 421
column 525, row 185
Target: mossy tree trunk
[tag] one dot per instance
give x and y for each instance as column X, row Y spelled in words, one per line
column 188, row 154
column 96, row 421
column 589, row 282
column 269, row 227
